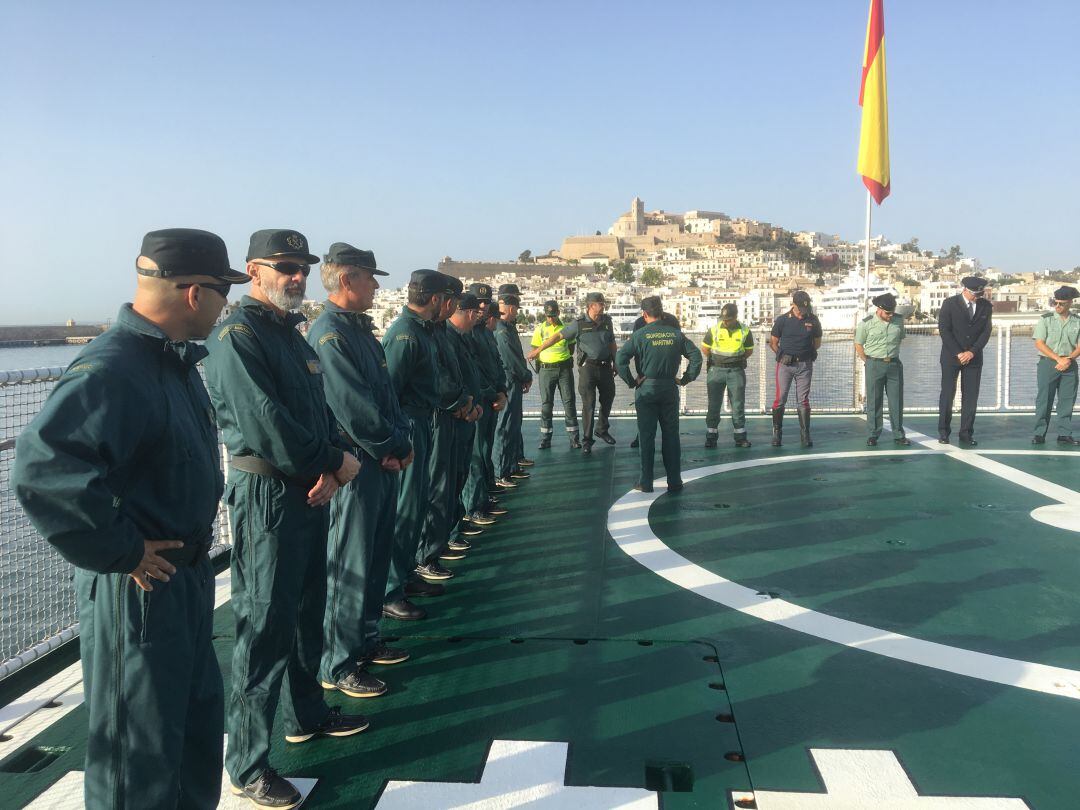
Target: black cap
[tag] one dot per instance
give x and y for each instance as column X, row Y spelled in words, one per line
column 1066, row 294
column 800, row 298
column 551, row 309
column 973, row 283
column 509, row 289
column 481, row 291
column 344, row 253
column 452, row 286
column 278, row 242
column 509, row 299
column 595, row 298
column 493, row 309
column 468, row 301
column 729, row 310
column 427, row 281
column 188, row 252
column 885, row 301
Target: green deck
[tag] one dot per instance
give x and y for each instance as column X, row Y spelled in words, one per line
column 552, row 632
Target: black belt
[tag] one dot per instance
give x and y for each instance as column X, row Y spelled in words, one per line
column 882, row 359
column 189, row 555
column 560, row 364
column 606, row 363
column 727, row 363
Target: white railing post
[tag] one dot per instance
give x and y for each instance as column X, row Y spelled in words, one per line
column 1005, row 373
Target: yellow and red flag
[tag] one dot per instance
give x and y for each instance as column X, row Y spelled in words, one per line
column 874, row 137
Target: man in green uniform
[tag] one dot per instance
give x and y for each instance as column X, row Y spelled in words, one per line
column 362, row 513
column 287, row 461
column 509, row 455
column 595, row 337
column 455, row 404
column 460, row 337
column 727, row 347
column 413, row 365
column 658, row 349
column 877, row 343
column 1057, row 339
column 120, row 472
column 481, row 468
column 556, row 371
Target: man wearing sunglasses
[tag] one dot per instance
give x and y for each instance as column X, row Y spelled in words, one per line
column 287, row 461
column 1057, row 339
column 964, row 324
column 120, row 472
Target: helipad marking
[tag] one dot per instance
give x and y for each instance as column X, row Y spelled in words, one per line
column 639, row 542
column 856, row 780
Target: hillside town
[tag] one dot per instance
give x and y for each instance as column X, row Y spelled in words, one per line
column 700, row 260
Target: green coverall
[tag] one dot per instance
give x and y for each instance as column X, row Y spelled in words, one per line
column 266, row 384
column 509, row 446
column 482, row 468
column 659, row 349
column 125, row 450
column 465, row 432
column 363, row 512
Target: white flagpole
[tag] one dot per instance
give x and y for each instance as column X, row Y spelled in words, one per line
column 866, row 254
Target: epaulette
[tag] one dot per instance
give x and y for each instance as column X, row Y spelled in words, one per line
column 868, row 318
column 1047, row 315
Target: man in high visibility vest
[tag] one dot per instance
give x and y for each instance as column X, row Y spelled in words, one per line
column 556, row 371
column 727, row 346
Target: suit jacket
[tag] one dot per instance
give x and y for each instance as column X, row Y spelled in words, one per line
column 959, row 333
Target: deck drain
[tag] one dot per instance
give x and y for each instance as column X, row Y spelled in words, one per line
column 734, row 756
column 896, row 542
column 710, row 659
column 725, row 718
column 989, row 507
column 644, row 643
column 34, row 759
column 669, row 777
column 717, row 685
column 581, row 641
column 517, row 641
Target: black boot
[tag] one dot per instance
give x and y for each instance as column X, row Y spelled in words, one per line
column 804, row 426
column 545, row 441
column 575, row 441
column 741, row 440
column 710, row 439
column 777, row 426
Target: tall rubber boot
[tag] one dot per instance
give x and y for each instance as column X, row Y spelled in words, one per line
column 804, row 426
column 777, row 426
column 575, row 441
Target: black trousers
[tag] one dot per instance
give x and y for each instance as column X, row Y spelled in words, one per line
column 970, row 376
column 594, row 380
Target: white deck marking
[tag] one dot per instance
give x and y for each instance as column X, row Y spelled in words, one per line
column 67, row 793
column 517, row 774
column 638, row 541
column 871, row 780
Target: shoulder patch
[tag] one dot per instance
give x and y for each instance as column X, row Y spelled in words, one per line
column 328, row 337
column 242, row 328
column 405, row 336
column 79, row 368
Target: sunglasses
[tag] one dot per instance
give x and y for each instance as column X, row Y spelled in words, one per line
column 220, row 289
column 288, row 268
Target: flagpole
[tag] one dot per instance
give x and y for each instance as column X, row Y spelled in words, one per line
column 866, row 254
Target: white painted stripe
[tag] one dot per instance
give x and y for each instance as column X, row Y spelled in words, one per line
column 638, row 541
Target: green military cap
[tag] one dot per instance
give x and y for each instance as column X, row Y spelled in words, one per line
column 481, row 291
column 188, row 252
column 509, row 289
column 1066, row 293
column 509, row 299
column 729, row 310
column 452, row 286
column 595, row 298
column 427, row 281
column 274, row 242
column 468, row 301
column 493, row 309
column 344, row 253
column 551, row 309
column 885, row 301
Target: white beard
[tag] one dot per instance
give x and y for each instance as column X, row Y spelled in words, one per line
column 284, row 300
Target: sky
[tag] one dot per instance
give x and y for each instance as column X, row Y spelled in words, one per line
column 480, row 129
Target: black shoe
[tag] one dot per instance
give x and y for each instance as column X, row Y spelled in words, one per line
column 270, row 790
column 1038, row 440
column 417, row 588
column 432, row 571
column 1068, row 440
column 673, row 489
column 468, row 530
column 575, row 441
column 634, row 443
column 871, row 442
column 643, row 487
column 710, row 440
column 459, row 545
column 497, row 510
column 741, row 440
column 385, row 656
column 903, row 441
column 403, row 609
column 606, row 437
column 505, row 483
column 480, row 519
column 357, row 684
column 545, row 442
column 452, row 553
column 943, row 438
column 968, row 440
column 586, row 447
column 526, row 462
column 336, row 724
column 519, row 475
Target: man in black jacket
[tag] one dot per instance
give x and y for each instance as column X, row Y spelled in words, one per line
column 964, row 323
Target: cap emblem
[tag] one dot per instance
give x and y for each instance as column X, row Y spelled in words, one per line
column 294, row 241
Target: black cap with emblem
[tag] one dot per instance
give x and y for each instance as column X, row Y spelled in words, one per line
column 885, row 301
column 800, row 298
column 188, row 252
column 274, row 243
column 481, row 291
column 344, row 253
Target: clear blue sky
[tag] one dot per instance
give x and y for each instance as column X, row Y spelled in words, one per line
column 479, row 129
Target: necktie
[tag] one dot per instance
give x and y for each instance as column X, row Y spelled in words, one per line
column 971, row 310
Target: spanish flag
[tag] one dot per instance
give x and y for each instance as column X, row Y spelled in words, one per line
column 874, row 138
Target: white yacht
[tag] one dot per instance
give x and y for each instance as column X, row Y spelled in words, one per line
column 623, row 314
column 840, row 307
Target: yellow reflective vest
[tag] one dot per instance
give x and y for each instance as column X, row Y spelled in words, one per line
column 558, row 351
column 723, row 343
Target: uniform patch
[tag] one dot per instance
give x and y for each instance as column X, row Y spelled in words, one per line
column 314, row 367
column 328, row 337
column 81, row 367
column 405, row 336
column 242, row 328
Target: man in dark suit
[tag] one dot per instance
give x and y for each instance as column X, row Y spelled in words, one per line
column 964, row 322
